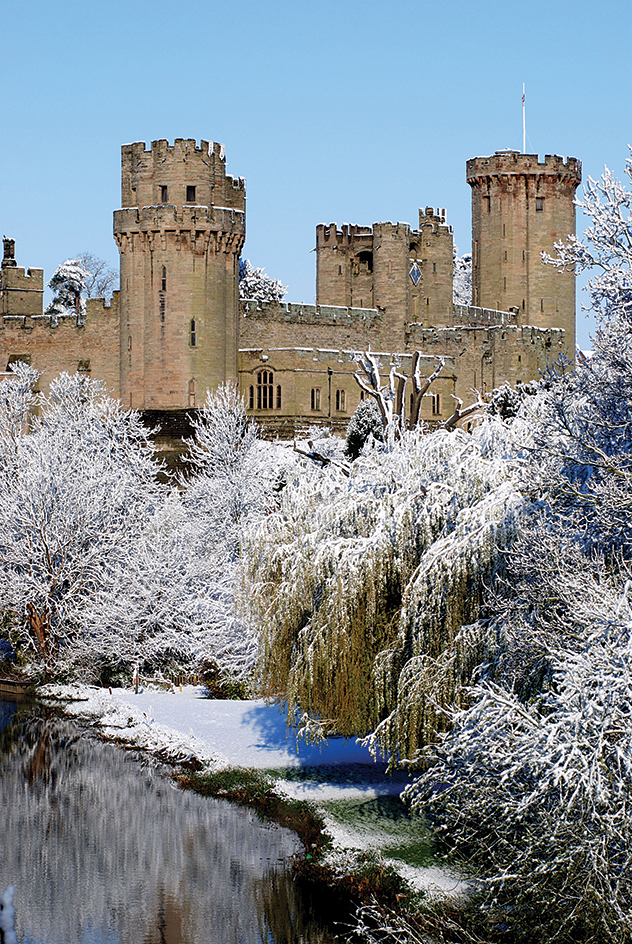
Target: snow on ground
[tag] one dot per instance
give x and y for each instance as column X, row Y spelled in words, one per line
column 181, row 725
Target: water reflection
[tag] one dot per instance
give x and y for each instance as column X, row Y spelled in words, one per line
column 101, row 847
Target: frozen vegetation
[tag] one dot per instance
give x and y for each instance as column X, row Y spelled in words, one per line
column 462, row 600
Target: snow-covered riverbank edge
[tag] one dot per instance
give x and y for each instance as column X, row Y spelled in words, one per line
column 183, row 727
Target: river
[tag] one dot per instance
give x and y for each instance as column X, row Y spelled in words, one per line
column 103, row 848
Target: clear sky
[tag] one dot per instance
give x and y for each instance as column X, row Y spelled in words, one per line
column 348, row 111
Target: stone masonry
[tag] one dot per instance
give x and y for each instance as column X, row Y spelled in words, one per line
column 177, row 327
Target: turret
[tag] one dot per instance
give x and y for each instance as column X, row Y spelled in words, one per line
column 520, row 208
column 180, row 233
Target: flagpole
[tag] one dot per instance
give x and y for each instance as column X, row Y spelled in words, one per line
column 524, row 124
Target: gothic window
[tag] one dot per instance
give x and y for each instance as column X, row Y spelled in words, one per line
column 193, row 336
column 251, row 397
column 278, row 397
column 164, row 194
column 265, row 390
column 163, row 279
column 192, row 393
column 190, row 194
column 436, row 404
column 315, row 398
column 341, row 400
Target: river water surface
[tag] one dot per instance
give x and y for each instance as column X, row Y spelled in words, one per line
column 102, row 848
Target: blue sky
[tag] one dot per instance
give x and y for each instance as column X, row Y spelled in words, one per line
column 342, row 111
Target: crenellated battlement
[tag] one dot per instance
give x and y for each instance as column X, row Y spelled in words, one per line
column 187, row 227
column 310, row 314
column 180, row 173
column 515, row 163
column 470, row 315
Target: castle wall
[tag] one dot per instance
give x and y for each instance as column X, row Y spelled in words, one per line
column 68, row 345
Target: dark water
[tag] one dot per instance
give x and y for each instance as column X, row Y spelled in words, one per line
column 101, row 847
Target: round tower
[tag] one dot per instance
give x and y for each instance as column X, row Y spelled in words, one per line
column 520, row 208
column 180, row 233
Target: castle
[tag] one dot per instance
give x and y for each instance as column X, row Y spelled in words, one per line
column 177, row 325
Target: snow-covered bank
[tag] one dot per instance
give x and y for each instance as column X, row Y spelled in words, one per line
column 183, row 725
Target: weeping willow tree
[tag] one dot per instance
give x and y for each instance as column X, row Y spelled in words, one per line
column 365, row 588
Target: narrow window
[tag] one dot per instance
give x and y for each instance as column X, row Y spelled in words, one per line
column 163, row 279
column 505, row 255
column 129, row 342
column 541, row 304
column 193, row 338
column 361, row 396
column 340, row 400
column 190, row 194
column 519, row 358
column 278, row 397
column 339, row 270
column 164, row 194
column 504, row 229
column 434, row 266
column 488, row 204
column 524, row 255
column 427, row 301
column 523, row 304
column 192, row 393
column 315, row 398
column 539, row 203
column 265, row 390
column 436, row 404
column 251, row 397
column 505, row 283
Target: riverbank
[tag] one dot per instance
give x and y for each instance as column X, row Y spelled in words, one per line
column 352, row 794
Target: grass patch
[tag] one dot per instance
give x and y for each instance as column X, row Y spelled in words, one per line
column 390, row 826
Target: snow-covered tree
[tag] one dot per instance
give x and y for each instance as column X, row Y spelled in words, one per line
column 100, row 278
column 256, row 286
column 365, row 423
column 69, row 285
column 364, row 586
column 74, row 493
column 462, row 278
column 534, row 781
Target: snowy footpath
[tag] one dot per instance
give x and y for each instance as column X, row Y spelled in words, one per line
column 340, row 777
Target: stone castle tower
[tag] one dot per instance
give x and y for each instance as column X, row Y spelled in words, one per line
column 179, row 234
column 402, row 272
column 520, row 207
column 177, row 327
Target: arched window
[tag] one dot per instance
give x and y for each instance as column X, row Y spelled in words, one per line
column 315, row 398
column 436, row 404
column 278, row 397
column 193, row 339
column 366, row 256
column 192, row 393
column 251, row 397
column 341, row 400
column 265, row 390
column 163, row 279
